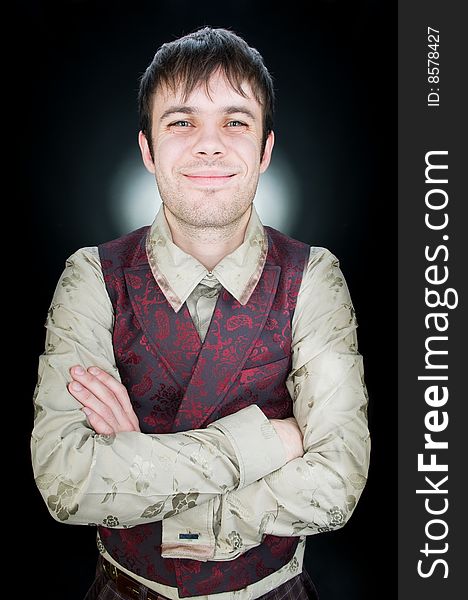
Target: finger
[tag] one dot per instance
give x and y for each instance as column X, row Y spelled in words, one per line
column 107, row 405
column 88, row 399
column 97, row 423
column 119, row 391
column 101, row 391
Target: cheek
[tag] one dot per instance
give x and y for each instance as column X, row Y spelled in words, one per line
column 247, row 152
column 170, row 152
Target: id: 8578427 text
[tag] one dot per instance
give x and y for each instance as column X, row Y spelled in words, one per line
column 433, row 66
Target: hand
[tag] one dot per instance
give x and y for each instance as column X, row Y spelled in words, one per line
column 291, row 436
column 105, row 400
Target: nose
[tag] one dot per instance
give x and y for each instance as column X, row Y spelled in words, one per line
column 209, row 142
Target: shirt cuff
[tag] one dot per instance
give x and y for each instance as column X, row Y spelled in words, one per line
column 258, row 447
column 190, row 534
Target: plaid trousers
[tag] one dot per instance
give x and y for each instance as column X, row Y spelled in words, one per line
column 300, row 587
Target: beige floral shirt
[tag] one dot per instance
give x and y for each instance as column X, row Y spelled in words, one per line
column 236, row 468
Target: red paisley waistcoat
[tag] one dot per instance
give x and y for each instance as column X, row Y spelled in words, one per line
column 177, row 383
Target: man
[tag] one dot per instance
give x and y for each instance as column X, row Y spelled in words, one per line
column 201, row 396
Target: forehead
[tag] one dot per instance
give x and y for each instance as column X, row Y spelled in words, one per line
column 216, row 94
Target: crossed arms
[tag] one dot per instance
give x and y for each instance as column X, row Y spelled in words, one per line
column 243, row 475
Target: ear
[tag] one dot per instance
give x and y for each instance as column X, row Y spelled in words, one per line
column 145, row 152
column 270, row 142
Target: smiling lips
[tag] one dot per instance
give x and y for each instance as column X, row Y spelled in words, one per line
column 210, row 178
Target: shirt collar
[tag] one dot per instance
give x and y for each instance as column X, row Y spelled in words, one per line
column 178, row 273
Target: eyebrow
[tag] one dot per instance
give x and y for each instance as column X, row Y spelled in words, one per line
column 191, row 110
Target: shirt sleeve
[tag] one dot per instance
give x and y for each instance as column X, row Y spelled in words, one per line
column 130, row 478
column 318, row 492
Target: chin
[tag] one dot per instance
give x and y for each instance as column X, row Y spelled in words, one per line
column 209, row 211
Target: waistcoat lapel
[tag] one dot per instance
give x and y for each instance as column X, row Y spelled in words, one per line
column 232, row 334
column 171, row 337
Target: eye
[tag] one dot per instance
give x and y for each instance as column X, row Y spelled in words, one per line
column 180, row 124
column 235, row 123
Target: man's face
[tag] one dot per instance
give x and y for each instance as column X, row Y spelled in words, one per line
column 207, row 152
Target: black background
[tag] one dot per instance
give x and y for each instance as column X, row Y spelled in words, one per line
column 334, row 67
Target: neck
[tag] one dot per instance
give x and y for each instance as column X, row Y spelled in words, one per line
column 208, row 245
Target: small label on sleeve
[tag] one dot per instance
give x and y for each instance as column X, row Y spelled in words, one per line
column 188, row 536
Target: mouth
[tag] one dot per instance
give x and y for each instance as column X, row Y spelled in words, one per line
column 210, row 179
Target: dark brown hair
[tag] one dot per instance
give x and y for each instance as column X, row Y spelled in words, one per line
column 192, row 59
